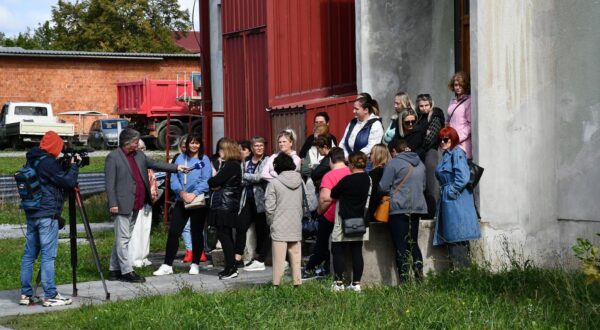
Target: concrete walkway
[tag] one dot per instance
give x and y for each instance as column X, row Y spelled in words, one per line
column 93, row 292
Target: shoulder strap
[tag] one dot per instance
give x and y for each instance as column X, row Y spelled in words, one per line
column 368, row 197
column 454, row 110
column 403, row 180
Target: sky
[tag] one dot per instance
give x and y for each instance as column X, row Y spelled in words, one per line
column 17, row 15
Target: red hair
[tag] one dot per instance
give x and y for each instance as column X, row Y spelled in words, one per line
column 451, row 133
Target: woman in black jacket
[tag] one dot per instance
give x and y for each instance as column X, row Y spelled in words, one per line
column 225, row 201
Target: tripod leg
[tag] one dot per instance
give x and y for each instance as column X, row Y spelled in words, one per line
column 90, row 237
column 73, row 240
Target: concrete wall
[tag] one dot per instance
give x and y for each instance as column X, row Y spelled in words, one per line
column 535, row 69
column 216, row 69
column 404, row 45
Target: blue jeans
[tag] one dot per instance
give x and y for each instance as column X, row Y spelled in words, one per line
column 41, row 239
column 187, row 236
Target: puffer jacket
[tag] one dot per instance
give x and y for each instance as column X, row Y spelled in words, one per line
column 410, row 198
column 229, row 181
column 258, row 185
column 55, row 183
column 284, row 207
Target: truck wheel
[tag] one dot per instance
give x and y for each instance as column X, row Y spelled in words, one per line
column 174, row 136
column 197, row 127
column 15, row 143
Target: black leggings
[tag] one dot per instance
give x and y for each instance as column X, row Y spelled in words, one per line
column 248, row 216
column 244, row 221
column 338, row 249
column 405, row 231
column 178, row 220
column 225, row 236
column 320, row 251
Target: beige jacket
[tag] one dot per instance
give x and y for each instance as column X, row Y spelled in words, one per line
column 283, row 206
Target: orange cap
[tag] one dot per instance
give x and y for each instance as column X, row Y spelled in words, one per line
column 52, row 143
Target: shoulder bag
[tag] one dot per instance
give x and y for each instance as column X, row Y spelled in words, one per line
column 199, row 201
column 353, row 227
column 382, row 213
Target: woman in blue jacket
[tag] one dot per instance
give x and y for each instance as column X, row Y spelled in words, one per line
column 187, row 187
column 456, row 216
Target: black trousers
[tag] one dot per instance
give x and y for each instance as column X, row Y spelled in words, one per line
column 338, row 250
column 245, row 219
column 225, row 235
column 405, row 233
column 179, row 218
column 247, row 216
column 321, row 249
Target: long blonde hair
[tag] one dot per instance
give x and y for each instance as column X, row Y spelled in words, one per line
column 380, row 155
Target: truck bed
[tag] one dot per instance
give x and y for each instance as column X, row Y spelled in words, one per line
column 28, row 128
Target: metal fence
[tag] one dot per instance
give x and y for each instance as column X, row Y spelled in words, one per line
column 89, row 183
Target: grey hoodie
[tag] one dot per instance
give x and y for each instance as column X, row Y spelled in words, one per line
column 283, row 206
column 410, row 197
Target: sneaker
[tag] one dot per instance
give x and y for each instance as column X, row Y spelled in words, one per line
column 321, row 272
column 194, row 269
column 255, row 266
column 57, row 301
column 286, row 265
column 188, row 256
column 163, row 270
column 146, row 262
column 239, row 264
column 308, row 275
column 203, row 257
column 132, row 277
column 228, row 273
column 353, row 287
column 114, row 275
column 25, row 300
column 138, row 263
column 337, row 286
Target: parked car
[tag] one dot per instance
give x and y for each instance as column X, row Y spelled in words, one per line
column 104, row 133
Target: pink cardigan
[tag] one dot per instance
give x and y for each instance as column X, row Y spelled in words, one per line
column 461, row 122
column 269, row 173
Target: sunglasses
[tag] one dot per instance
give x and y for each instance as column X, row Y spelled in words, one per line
column 424, row 96
column 445, row 140
column 410, row 122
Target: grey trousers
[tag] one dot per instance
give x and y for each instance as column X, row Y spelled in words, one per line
column 119, row 259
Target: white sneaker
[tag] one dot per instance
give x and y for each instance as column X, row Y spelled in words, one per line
column 286, row 265
column 138, row 263
column 194, row 269
column 163, row 270
column 57, row 301
column 337, row 287
column 354, row 287
column 255, row 266
column 146, row 262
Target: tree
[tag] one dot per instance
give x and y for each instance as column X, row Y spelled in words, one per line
column 112, row 26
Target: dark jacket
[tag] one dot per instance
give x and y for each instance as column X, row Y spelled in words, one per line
column 414, row 139
column 229, row 181
column 431, row 124
column 319, row 172
column 55, row 183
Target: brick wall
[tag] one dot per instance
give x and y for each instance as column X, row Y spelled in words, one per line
column 78, row 84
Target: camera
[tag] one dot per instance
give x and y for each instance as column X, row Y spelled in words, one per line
column 83, row 159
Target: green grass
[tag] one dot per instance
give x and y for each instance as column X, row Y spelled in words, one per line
column 11, row 251
column 95, row 207
column 471, row 299
column 8, row 165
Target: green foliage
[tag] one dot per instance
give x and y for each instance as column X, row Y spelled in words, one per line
column 108, row 26
column 8, row 165
column 469, row 299
column 590, row 258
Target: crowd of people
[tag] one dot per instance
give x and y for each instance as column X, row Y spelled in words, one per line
column 418, row 162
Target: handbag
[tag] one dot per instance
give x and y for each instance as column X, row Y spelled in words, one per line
column 382, row 213
column 476, row 173
column 353, row 227
column 198, row 201
column 310, row 225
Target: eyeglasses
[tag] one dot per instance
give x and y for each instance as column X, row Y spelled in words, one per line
column 445, row 140
column 410, row 122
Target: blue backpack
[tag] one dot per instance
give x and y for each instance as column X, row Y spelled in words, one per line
column 29, row 186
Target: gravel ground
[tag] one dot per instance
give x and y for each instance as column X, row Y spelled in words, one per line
column 16, row 231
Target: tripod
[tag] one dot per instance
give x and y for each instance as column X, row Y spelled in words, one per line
column 76, row 201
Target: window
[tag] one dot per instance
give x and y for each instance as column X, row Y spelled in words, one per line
column 31, row 111
column 113, row 124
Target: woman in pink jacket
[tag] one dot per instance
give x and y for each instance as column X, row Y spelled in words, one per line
column 459, row 110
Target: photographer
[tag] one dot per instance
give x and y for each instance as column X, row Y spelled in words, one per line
column 42, row 223
column 127, row 191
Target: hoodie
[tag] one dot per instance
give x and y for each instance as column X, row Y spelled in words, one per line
column 283, row 204
column 410, row 197
column 55, row 183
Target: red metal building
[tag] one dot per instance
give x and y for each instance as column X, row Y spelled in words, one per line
column 285, row 60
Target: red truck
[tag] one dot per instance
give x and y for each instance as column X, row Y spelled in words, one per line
column 147, row 104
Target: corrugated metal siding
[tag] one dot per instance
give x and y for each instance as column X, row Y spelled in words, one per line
column 245, row 68
column 339, row 110
column 241, row 15
column 311, row 45
column 293, row 118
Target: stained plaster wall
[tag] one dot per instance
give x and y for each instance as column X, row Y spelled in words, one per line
column 404, row 45
column 536, row 80
column 216, row 69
